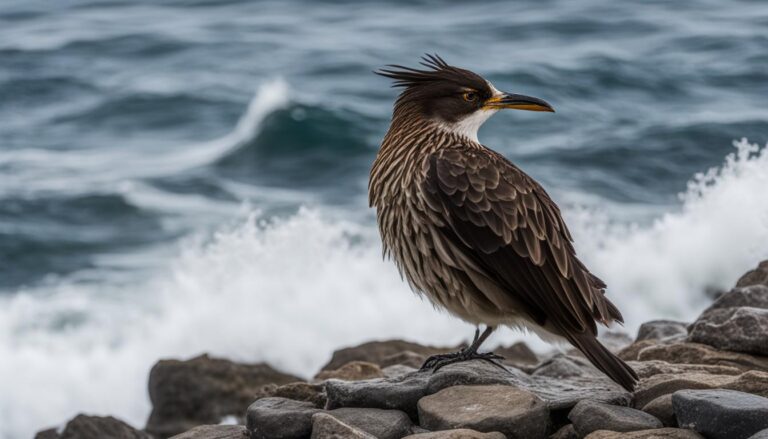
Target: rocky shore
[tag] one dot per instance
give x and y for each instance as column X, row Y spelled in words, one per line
column 708, row 378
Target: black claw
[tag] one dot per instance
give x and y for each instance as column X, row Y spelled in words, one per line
column 436, row 362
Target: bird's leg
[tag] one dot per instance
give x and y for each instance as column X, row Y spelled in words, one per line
column 435, row 362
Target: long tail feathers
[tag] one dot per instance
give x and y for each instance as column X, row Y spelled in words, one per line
column 603, row 359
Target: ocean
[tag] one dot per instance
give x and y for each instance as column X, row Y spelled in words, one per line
column 179, row 177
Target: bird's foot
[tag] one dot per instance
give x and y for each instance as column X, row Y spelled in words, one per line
column 436, row 362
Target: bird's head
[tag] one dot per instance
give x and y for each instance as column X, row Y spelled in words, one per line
column 458, row 99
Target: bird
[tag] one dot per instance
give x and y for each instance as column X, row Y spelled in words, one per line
column 472, row 232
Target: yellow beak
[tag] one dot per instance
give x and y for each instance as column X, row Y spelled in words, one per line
column 517, row 102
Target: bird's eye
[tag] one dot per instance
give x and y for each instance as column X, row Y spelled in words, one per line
column 470, row 96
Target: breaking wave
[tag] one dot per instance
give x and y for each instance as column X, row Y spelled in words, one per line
column 289, row 291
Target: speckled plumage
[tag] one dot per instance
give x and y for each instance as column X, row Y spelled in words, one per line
column 479, row 237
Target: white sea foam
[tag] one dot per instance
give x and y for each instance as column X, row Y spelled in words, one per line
column 289, row 291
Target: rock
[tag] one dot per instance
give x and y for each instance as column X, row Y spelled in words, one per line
column 382, row 424
column 326, row 426
column 615, row 340
column 403, row 391
column 758, row 276
column 563, row 366
column 650, row 368
column 405, row 358
column 659, row 433
column 661, row 330
column 721, row 414
column 204, row 390
column 397, row 370
column 352, row 371
column 566, row 432
column 741, row 329
column 511, row 411
column 398, row 393
column 755, row 296
column 559, row 391
column 214, row 432
column 50, row 433
column 298, row 391
column 280, row 418
column 696, row 353
column 661, row 408
column 459, row 433
column 517, row 354
column 588, row 416
column 98, row 427
column 762, row 434
column 377, row 351
column 750, row 382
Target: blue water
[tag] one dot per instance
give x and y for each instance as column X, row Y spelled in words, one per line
column 142, row 202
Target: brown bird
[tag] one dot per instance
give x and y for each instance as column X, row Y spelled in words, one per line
column 470, row 230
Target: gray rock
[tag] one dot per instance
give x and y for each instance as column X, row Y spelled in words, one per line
column 405, row 358
column 565, row 432
column 325, row 426
column 352, row 371
column 378, row 352
column 397, row 370
column 204, row 390
column 658, row 433
column 98, row 427
column 721, row 414
column 511, row 411
column 647, row 369
column 662, row 409
column 649, row 389
column 299, row 391
column 214, row 432
column 563, row 366
column 762, row 434
column 588, row 416
column 383, row 424
column 517, row 354
column 280, row 418
column 696, row 353
column 661, row 330
column 459, row 433
column 758, row 276
column 402, row 392
column 397, row 393
column 755, row 296
column 50, row 433
column 742, row 329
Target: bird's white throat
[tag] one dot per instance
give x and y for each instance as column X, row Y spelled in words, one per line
column 469, row 125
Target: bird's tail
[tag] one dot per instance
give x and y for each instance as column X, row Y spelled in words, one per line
column 603, row 359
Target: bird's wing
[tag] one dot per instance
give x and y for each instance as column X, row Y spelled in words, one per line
column 506, row 224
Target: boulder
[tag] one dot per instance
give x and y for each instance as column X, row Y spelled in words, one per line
column 403, row 391
column 511, row 411
column 565, row 432
column 298, row 391
column 100, row 427
column 377, row 351
column 564, row 366
column 214, row 432
column 588, row 416
column 382, row 424
column 757, row 276
column 662, row 409
column 696, row 353
column 405, row 358
column 50, row 433
column 661, row 330
column 721, row 414
column 352, row 371
column 459, row 433
column 755, row 296
column 518, row 354
column 750, row 382
column 740, row 329
column 659, row 433
column 631, row 352
column 646, row 369
column 326, row 426
column 280, row 418
column 204, row 390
